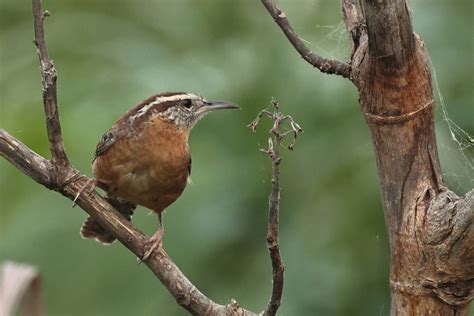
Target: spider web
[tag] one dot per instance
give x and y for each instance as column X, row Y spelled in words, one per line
column 337, row 34
column 457, row 148
column 456, row 145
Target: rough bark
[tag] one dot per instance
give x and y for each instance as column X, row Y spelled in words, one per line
column 429, row 228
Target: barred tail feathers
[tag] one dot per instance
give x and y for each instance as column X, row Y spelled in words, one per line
column 93, row 229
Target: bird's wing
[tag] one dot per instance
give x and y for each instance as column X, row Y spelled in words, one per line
column 121, row 129
column 106, row 141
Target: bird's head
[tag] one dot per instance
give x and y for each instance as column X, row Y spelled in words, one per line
column 183, row 109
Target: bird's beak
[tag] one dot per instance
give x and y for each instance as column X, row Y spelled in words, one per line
column 216, row 105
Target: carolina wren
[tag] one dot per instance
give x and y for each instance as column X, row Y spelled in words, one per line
column 145, row 159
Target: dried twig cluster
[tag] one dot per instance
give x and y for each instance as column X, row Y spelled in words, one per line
column 276, row 135
column 275, row 132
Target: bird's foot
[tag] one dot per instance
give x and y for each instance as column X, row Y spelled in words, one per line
column 90, row 186
column 154, row 244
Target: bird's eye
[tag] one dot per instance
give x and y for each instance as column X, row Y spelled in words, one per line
column 187, row 103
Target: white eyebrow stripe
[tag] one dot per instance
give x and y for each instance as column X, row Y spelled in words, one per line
column 159, row 100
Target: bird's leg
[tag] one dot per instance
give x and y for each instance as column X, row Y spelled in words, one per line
column 155, row 243
column 91, row 183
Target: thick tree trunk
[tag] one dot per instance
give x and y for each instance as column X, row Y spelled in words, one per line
column 429, row 228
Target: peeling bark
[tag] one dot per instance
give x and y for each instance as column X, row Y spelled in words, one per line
column 429, row 227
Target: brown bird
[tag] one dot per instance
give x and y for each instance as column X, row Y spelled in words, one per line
column 145, row 159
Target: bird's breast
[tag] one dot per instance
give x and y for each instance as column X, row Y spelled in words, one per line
column 150, row 168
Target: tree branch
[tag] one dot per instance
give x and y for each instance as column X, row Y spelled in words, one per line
column 39, row 169
column 391, row 17
column 59, row 175
column 327, row 66
column 24, row 159
column 50, row 100
column 273, row 151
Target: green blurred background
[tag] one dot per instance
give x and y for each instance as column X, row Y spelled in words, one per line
column 112, row 54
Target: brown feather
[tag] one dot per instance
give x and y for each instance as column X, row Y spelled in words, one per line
column 149, row 168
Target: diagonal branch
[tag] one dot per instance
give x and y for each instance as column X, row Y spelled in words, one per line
column 185, row 293
column 327, row 66
column 24, row 159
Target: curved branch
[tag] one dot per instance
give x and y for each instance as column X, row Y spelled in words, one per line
column 327, row 66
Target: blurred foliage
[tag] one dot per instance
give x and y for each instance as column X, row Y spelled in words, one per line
column 112, row 54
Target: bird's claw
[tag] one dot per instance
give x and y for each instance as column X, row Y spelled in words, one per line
column 154, row 244
column 90, row 182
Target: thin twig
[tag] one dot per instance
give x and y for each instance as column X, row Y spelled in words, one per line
column 328, row 66
column 50, row 99
column 276, row 135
